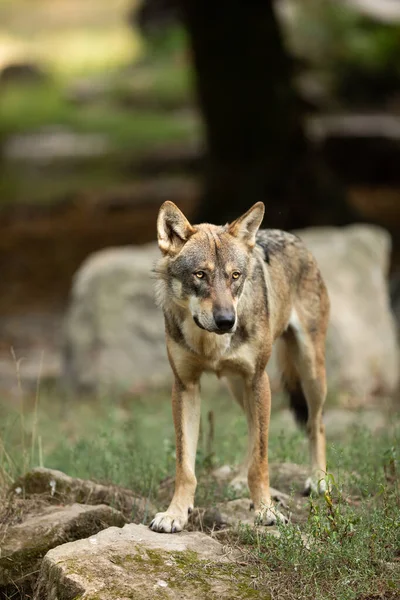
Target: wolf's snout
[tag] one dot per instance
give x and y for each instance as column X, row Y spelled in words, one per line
column 224, row 319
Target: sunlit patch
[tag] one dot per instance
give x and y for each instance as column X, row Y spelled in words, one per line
column 68, row 38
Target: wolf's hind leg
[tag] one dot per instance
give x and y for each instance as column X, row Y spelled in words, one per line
column 302, row 360
column 315, row 392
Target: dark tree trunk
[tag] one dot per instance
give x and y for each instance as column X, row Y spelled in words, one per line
column 256, row 145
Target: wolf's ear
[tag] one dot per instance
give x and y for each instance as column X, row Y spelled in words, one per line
column 173, row 228
column 246, row 226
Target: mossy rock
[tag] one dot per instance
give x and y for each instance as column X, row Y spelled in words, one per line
column 24, row 545
column 58, row 487
column 136, row 562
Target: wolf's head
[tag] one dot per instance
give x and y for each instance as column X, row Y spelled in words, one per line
column 206, row 265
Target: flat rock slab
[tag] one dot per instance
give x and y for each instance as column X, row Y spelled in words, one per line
column 56, row 485
column 23, row 546
column 288, row 477
column 135, row 562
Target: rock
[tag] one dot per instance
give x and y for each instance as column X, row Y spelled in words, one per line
column 223, row 473
column 59, row 487
column 226, row 514
column 135, row 562
column 288, row 476
column 114, row 333
column 235, row 512
column 23, row 545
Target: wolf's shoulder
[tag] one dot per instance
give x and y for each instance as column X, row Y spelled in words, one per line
column 277, row 242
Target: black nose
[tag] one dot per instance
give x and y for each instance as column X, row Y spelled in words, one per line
column 224, row 319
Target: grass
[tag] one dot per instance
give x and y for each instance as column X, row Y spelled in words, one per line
column 341, row 552
column 348, row 545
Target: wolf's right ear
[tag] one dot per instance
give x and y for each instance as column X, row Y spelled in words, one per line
column 173, row 229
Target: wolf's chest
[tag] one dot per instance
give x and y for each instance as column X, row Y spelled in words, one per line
column 216, row 353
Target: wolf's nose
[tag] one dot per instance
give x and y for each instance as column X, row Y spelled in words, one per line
column 224, row 320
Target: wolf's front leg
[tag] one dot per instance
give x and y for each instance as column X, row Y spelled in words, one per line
column 258, row 409
column 186, row 414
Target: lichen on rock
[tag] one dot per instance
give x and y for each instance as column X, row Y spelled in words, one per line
column 135, row 562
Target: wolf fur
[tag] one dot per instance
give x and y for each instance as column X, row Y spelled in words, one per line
column 228, row 294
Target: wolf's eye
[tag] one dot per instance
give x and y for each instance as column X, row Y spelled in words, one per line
column 235, row 275
column 200, row 274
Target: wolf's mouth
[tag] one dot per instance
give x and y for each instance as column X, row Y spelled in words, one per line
column 217, row 331
column 196, row 320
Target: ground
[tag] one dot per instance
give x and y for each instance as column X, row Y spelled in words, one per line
column 346, row 545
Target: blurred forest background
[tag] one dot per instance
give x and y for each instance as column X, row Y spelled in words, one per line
column 108, row 110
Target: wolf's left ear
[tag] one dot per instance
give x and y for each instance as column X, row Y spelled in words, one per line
column 245, row 227
column 173, row 229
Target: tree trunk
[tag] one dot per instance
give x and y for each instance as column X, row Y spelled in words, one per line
column 256, row 145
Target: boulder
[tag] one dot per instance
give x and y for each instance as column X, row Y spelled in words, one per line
column 135, row 562
column 24, row 544
column 114, row 333
column 288, row 477
column 56, row 486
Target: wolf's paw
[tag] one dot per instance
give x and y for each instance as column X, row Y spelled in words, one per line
column 315, row 486
column 168, row 522
column 269, row 516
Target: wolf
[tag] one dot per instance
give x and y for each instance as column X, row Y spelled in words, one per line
column 228, row 293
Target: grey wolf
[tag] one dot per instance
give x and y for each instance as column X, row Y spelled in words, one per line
column 228, row 293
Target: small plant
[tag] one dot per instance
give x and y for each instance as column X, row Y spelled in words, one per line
column 329, row 519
